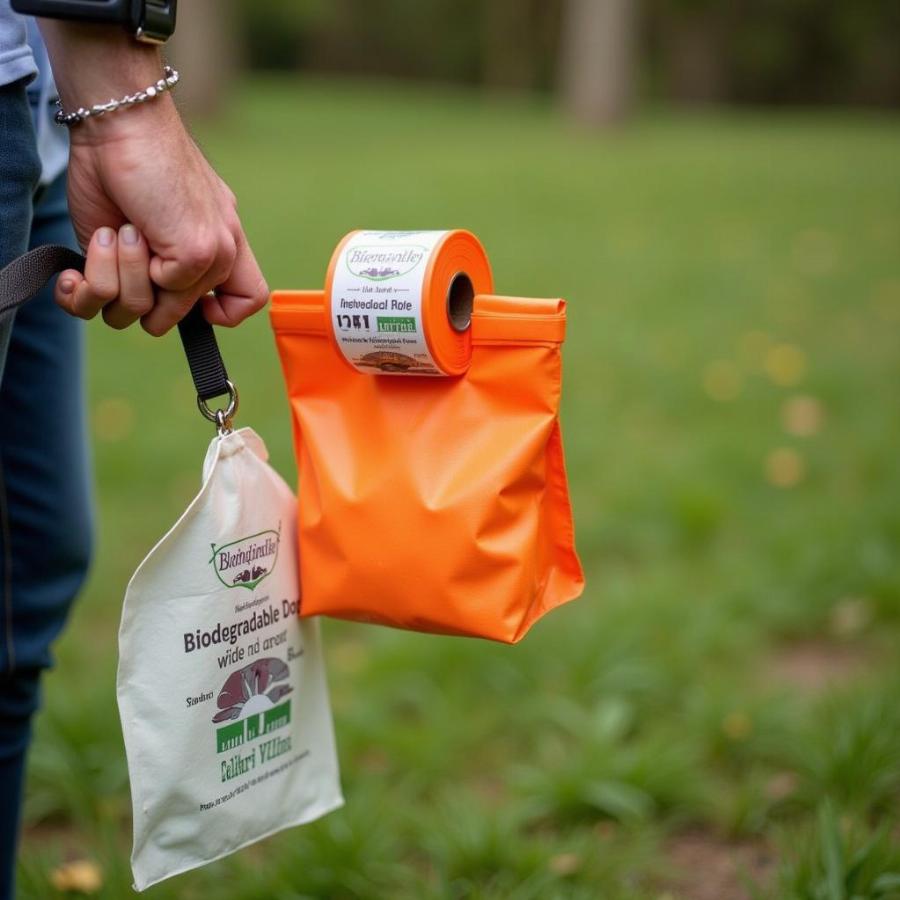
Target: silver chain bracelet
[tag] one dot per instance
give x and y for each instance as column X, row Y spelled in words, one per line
column 166, row 83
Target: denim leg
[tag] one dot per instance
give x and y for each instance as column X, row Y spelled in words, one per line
column 46, row 491
column 19, row 172
column 44, row 502
column 20, row 169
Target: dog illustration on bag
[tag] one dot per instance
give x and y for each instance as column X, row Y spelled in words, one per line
column 249, row 575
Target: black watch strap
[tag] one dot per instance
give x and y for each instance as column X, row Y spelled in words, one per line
column 157, row 21
column 152, row 21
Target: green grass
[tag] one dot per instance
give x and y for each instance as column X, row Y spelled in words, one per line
column 728, row 275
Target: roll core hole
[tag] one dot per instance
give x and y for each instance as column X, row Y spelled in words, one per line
column 460, row 299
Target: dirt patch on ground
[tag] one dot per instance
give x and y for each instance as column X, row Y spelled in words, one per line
column 56, row 843
column 814, row 665
column 60, row 834
column 706, row 866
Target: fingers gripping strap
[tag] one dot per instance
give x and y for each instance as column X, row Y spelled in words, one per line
column 27, row 274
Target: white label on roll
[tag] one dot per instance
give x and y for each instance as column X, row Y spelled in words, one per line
column 376, row 301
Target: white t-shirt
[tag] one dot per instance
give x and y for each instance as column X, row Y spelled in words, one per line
column 23, row 55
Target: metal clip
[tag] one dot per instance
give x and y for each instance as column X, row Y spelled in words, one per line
column 221, row 418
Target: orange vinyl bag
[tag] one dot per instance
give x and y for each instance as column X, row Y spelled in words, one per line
column 432, row 487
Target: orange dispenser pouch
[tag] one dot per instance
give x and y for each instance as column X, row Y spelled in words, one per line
column 432, row 486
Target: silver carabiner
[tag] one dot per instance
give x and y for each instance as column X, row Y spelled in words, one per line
column 221, row 418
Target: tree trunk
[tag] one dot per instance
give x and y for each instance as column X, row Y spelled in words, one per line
column 205, row 52
column 598, row 59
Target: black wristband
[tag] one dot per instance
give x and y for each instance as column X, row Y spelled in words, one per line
column 152, row 21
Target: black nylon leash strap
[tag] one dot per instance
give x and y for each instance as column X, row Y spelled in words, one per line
column 27, row 274
column 203, row 356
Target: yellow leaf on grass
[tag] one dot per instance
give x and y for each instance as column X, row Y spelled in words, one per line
column 802, row 415
column 565, row 863
column 782, row 785
column 785, row 467
column 82, row 876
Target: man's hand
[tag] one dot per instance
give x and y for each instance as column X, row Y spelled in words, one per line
column 148, row 171
column 140, row 166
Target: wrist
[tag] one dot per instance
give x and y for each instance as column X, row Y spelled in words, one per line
column 151, row 120
column 93, row 64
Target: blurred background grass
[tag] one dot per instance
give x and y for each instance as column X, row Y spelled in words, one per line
column 717, row 717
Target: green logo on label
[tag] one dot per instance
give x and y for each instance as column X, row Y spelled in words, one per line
column 397, row 323
column 244, row 563
column 254, row 726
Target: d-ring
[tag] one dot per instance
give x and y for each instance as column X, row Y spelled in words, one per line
column 221, row 418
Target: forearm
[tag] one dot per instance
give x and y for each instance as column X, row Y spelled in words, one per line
column 94, row 63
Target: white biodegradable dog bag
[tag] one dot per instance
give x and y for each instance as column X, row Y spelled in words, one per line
column 221, row 685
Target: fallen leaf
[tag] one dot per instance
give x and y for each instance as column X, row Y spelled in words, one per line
column 785, row 467
column 81, row 876
column 802, row 415
column 565, row 863
column 781, row 786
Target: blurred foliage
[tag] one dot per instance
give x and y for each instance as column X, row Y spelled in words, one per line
column 840, row 861
column 469, row 41
column 774, row 51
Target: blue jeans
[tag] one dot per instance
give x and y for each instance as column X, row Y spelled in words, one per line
column 45, row 497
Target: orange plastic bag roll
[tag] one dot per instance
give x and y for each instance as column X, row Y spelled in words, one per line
column 433, row 494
